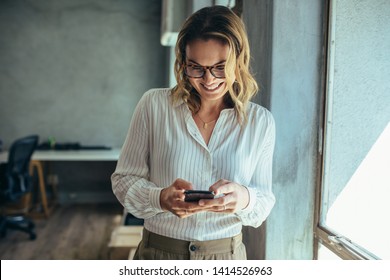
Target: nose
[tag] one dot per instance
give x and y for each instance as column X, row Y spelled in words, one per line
column 208, row 77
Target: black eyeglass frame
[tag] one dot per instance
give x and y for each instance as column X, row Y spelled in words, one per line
column 205, row 68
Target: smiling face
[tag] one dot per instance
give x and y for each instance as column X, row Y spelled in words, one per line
column 208, row 53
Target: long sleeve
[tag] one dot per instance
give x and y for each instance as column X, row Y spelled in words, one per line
column 262, row 198
column 130, row 181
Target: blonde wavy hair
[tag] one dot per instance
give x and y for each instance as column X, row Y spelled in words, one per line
column 217, row 22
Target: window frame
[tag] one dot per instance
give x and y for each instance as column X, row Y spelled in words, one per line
column 335, row 242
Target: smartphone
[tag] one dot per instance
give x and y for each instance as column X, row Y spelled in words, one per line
column 194, row 196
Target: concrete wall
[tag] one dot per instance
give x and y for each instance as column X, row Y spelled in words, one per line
column 258, row 17
column 293, row 92
column 75, row 70
column 287, row 64
column 295, row 85
column 359, row 109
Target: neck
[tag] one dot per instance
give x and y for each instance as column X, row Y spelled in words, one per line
column 211, row 108
column 208, row 115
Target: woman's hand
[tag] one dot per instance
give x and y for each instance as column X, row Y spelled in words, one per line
column 231, row 197
column 172, row 199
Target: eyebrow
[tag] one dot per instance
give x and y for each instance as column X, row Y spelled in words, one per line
column 193, row 61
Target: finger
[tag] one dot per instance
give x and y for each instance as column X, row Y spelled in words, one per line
column 229, row 207
column 181, row 184
column 226, row 189
column 177, row 196
column 179, row 205
column 219, row 199
column 184, row 213
column 192, row 207
column 217, row 208
column 181, row 214
column 217, row 184
column 223, row 187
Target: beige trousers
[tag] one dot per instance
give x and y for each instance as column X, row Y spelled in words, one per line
column 158, row 247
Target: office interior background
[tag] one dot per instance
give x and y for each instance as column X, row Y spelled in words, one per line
column 75, row 70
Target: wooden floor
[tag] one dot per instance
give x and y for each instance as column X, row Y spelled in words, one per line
column 73, row 232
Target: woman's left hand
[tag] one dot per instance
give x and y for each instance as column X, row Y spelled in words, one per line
column 230, row 197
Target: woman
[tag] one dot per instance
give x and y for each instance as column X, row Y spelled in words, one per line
column 204, row 134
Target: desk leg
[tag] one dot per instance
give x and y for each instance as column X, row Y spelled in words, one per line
column 42, row 188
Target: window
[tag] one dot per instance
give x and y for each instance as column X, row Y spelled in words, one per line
column 353, row 205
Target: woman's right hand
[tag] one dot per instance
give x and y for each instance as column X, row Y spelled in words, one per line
column 172, row 199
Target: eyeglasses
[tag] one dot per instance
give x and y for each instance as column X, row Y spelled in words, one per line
column 198, row 71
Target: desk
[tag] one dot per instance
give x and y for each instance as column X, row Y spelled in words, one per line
column 79, row 155
column 64, row 155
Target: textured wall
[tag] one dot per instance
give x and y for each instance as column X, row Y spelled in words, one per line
column 257, row 16
column 361, row 88
column 286, row 43
column 75, row 69
column 295, row 85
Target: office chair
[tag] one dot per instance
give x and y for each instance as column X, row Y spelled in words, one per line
column 131, row 220
column 15, row 181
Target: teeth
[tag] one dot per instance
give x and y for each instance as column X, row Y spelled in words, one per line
column 211, row 88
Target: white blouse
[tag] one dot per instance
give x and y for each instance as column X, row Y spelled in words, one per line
column 163, row 143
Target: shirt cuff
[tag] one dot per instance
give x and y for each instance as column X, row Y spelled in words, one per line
column 154, row 198
column 251, row 204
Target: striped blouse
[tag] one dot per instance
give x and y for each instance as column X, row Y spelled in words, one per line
column 163, row 143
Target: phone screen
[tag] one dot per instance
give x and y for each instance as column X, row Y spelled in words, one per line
column 193, row 195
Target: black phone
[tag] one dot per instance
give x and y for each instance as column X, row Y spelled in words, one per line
column 194, row 195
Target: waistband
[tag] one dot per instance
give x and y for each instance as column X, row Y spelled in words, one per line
column 177, row 246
